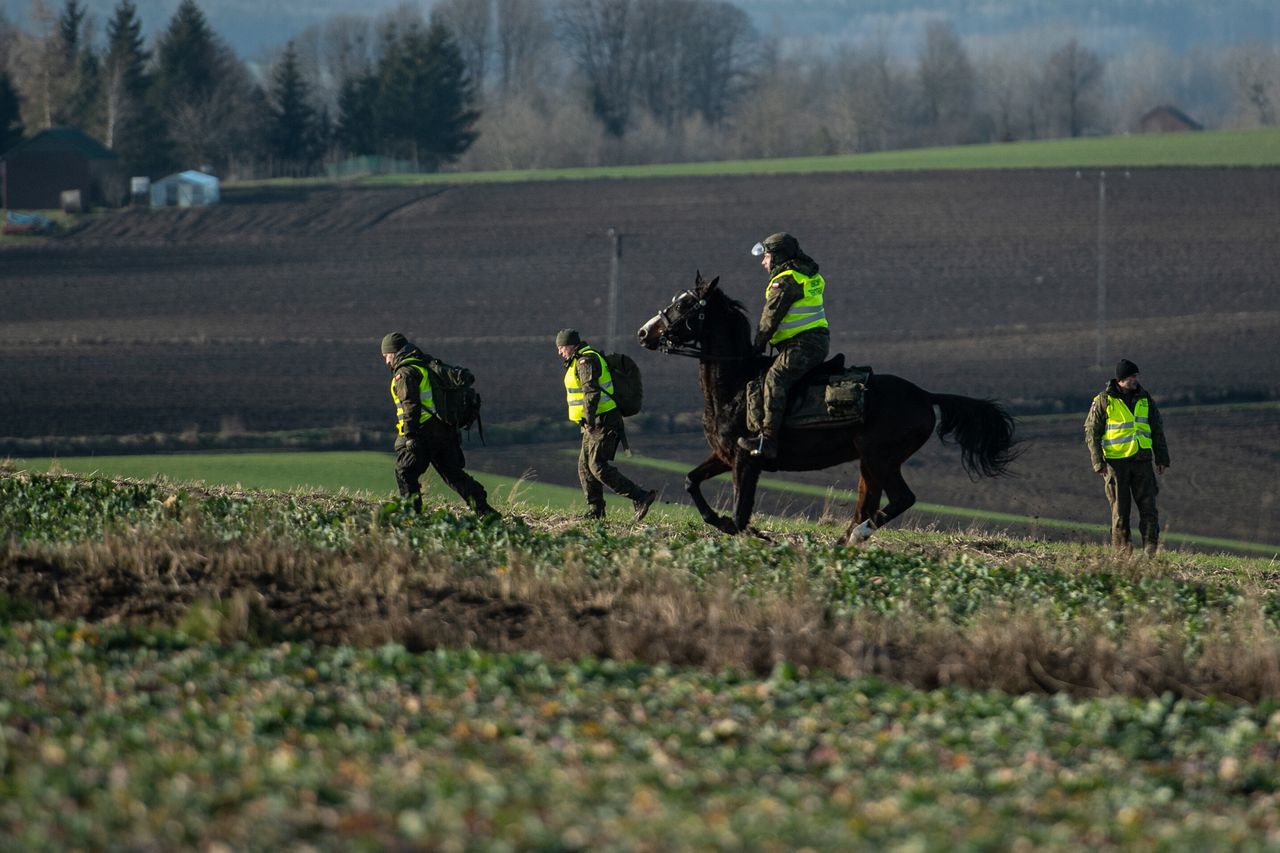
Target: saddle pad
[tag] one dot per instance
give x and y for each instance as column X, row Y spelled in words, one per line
column 841, row 401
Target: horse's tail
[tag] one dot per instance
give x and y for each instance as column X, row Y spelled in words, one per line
column 982, row 428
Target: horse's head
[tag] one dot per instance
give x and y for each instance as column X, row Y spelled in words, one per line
column 680, row 323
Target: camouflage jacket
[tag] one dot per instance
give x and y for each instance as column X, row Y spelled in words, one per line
column 1095, row 426
column 782, row 294
column 405, row 380
column 589, row 373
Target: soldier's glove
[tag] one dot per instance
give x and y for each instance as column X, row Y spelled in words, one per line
column 411, row 444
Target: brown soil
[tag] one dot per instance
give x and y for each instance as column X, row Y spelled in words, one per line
column 263, row 313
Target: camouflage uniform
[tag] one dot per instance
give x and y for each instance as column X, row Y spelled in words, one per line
column 1131, row 480
column 601, row 435
column 796, row 356
column 421, row 444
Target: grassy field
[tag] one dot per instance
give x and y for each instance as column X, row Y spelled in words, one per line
column 367, row 474
column 228, row 668
column 1259, row 147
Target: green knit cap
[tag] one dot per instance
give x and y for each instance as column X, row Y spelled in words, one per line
column 394, row 342
column 568, row 338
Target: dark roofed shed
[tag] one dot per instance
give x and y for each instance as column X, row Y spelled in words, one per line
column 36, row 171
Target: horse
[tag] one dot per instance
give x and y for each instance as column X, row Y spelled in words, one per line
column 899, row 418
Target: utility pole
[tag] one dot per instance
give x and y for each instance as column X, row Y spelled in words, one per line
column 615, row 258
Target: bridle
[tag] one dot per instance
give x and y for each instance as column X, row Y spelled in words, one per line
column 672, row 320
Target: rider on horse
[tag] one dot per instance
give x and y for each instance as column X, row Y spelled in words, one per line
column 794, row 322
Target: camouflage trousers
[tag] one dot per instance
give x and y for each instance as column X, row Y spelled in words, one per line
column 440, row 445
column 795, row 358
column 599, row 446
column 1129, row 482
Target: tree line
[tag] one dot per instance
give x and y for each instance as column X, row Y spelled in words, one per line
column 483, row 84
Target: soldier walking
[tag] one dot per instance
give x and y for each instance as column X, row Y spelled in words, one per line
column 422, row 438
column 793, row 321
column 588, row 387
column 1124, row 434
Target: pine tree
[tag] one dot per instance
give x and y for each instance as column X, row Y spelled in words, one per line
column 131, row 127
column 294, row 134
column 10, row 114
column 356, row 131
column 448, row 114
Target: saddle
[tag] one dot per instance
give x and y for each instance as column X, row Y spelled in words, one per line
column 830, row 395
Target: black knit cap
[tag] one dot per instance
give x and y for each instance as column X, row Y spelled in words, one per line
column 394, row 342
column 1125, row 368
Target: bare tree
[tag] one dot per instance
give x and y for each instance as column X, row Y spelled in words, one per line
column 523, row 40
column 1073, row 88
column 947, row 86
column 1007, row 96
column 471, row 22
column 601, row 39
column 1253, row 72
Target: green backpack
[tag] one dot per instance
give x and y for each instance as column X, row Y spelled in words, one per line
column 457, row 401
column 628, row 388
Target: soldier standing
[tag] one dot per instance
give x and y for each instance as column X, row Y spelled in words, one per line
column 1124, row 434
column 422, row 438
column 588, row 387
column 793, row 321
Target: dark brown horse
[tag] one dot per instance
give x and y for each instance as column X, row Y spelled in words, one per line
column 899, row 418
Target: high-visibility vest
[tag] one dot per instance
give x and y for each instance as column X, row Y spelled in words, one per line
column 1127, row 432
column 573, row 391
column 424, row 393
column 805, row 313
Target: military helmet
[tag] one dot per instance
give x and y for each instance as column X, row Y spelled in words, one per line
column 782, row 246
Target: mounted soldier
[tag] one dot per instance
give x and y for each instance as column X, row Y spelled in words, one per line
column 794, row 322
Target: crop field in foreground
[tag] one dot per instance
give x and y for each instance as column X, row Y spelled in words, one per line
column 822, row 496
column 200, row 667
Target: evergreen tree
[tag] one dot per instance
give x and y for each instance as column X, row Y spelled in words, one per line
column 204, row 94
column 448, row 114
column 78, row 105
column 131, row 127
column 10, row 114
column 423, row 108
column 356, row 131
column 188, row 57
column 294, row 133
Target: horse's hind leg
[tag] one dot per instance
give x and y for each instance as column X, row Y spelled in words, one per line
column 901, row 499
column 869, row 494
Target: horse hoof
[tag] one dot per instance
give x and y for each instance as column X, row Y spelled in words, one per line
column 862, row 532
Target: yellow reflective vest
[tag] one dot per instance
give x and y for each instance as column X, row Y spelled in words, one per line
column 1127, row 431
column 424, row 393
column 573, row 391
column 805, row 313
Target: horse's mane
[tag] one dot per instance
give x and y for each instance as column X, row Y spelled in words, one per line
column 736, row 311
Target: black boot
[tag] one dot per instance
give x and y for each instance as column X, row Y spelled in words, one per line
column 643, row 503
column 594, row 512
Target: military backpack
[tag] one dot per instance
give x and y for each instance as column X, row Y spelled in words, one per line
column 628, row 388
column 456, row 398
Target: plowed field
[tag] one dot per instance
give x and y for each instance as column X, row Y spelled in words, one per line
column 265, row 312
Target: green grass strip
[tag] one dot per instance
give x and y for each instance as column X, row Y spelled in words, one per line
column 1272, row 551
column 1248, row 148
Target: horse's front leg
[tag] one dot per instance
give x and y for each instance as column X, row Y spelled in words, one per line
column 746, row 475
column 714, row 466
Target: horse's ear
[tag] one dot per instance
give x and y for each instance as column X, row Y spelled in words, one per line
column 712, row 284
column 697, row 279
